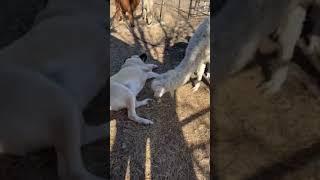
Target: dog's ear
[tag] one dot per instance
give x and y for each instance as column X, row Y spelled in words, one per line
column 143, row 57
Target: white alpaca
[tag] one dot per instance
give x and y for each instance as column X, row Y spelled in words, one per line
column 196, row 57
column 147, row 7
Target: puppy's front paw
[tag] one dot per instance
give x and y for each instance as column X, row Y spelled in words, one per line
column 147, row 122
column 146, row 101
column 154, row 66
column 144, row 121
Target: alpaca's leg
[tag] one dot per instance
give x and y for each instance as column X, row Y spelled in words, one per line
column 144, row 14
column 200, row 73
column 288, row 38
column 208, row 73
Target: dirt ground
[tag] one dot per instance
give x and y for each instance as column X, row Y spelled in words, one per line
column 177, row 145
column 259, row 137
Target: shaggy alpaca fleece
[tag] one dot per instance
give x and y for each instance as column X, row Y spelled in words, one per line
column 197, row 53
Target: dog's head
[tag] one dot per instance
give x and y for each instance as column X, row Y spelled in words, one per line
column 137, row 58
column 158, row 89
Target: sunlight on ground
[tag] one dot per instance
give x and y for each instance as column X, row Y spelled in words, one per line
column 193, row 112
column 196, row 125
column 148, row 160
column 113, row 132
column 128, row 171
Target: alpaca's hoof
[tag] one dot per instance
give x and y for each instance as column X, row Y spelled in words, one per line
column 269, row 88
column 196, row 87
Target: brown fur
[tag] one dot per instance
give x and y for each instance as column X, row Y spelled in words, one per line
column 126, row 6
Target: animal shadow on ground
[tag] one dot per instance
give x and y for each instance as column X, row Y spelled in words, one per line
column 159, row 151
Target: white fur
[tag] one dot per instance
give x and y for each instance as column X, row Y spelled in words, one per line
column 197, row 55
column 127, row 83
column 66, row 45
column 37, row 113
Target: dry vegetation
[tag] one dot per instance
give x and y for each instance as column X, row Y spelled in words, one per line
column 266, row 138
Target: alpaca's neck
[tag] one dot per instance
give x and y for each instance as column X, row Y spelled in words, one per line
column 181, row 74
column 194, row 56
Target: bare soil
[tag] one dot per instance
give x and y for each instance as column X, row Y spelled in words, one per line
column 259, row 137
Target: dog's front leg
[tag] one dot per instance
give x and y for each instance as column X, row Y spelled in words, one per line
column 152, row 75
column 132, row 114
column 143, row 102
column 67, row 142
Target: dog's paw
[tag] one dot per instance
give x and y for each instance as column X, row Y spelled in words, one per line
column 147, row 101
column 141, row 120
column 148, row 122
column 154, row 66
column 143, row 102
column 145, row 121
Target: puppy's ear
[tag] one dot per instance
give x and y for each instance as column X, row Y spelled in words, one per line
column 126, row 59
column 143, row 57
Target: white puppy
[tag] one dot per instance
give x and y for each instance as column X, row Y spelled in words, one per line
column 37, row 113
column 127, row 83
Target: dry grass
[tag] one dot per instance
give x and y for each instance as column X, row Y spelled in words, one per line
column 266, row 137
column 175, row 147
